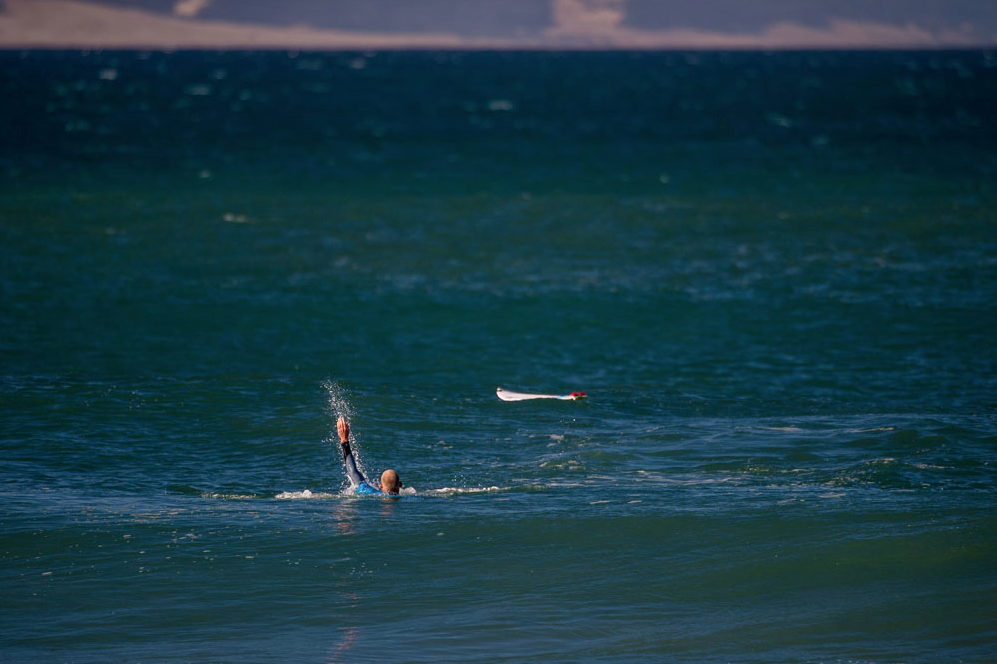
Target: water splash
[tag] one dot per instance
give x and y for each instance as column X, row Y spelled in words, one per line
column 338, row 400
column 338, row 405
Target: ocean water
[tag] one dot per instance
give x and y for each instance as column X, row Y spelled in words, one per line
column 774, row 274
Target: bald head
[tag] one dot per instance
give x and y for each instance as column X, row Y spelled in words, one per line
column 390, row 482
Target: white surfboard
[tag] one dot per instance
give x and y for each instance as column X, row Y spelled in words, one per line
column 506, row 395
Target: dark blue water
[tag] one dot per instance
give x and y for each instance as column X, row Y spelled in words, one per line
column 775, row 275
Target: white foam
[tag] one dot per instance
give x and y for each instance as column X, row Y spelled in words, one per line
column 749, row 428
column 454, row 491
column 228, row 496
column 869, row 430
column 303, row 495
column 501, row 105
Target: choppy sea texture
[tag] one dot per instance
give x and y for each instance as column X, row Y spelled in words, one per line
column 774, row 274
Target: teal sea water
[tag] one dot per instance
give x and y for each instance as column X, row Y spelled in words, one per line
column 775, row 275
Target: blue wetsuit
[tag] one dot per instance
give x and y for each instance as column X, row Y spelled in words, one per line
column 360, row 484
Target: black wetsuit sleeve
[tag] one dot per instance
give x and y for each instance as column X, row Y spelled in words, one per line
column 356, row 477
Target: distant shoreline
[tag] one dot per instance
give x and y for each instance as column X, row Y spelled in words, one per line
column 69, row 24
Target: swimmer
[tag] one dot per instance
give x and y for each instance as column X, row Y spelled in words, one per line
column 390, row 484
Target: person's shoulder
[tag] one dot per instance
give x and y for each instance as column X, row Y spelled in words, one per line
column 365, row 489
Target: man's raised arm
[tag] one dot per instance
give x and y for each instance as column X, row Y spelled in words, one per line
column 356, row 477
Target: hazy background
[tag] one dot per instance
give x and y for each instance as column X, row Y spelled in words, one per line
column 506, row 24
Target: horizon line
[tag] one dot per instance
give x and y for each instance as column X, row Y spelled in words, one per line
column 526, row 48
